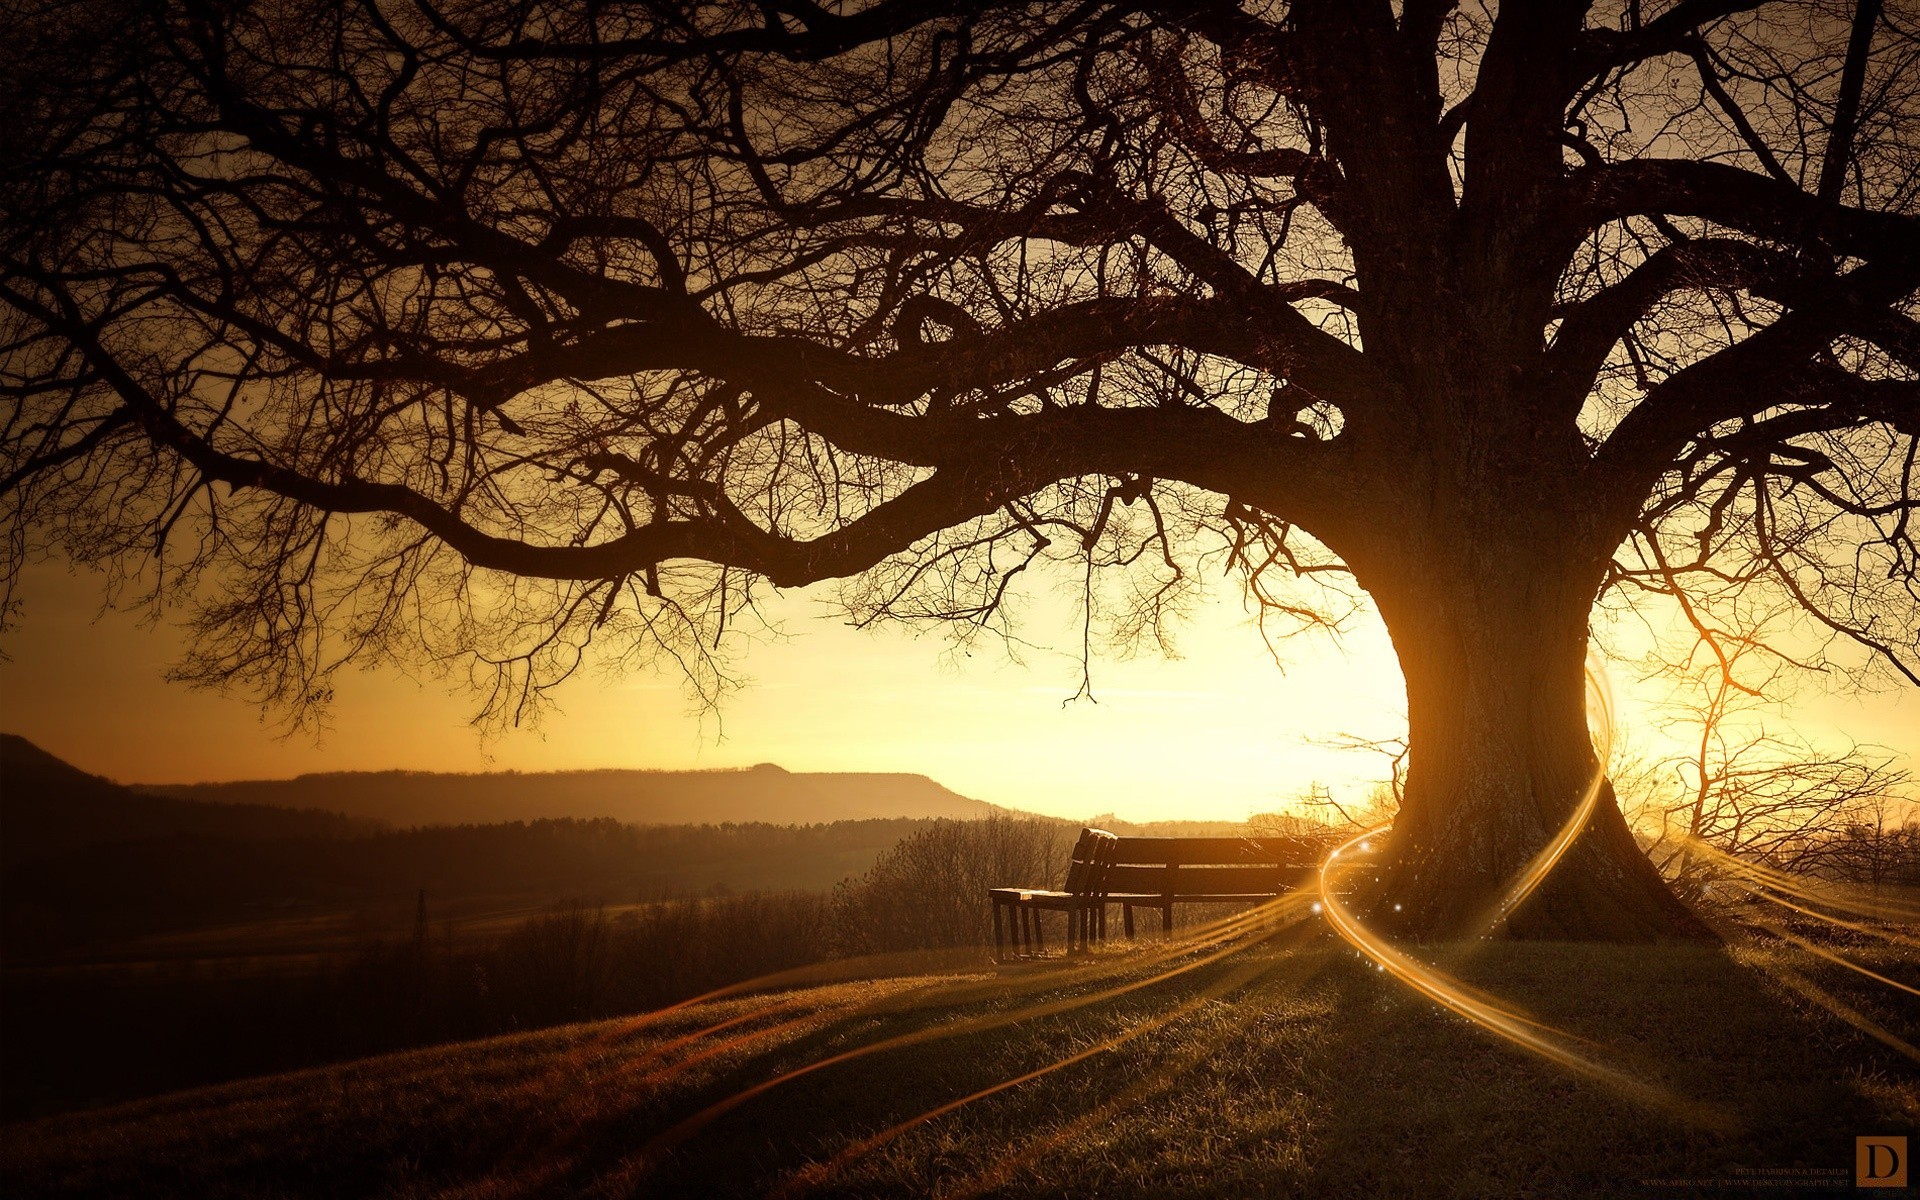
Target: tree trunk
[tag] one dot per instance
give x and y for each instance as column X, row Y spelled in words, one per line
column 1492, row 640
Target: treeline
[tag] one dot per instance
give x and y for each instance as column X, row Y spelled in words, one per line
column 77, row 895
column 106, row 1034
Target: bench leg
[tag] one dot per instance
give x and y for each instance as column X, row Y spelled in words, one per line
column 999, row 938
column 1039, row 932
column 1166, row 920
column 1126, row 920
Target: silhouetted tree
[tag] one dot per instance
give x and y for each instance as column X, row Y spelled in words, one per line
column 1743, row 785
column 475, row 331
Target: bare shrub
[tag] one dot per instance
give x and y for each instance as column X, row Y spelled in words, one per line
column 930, row 890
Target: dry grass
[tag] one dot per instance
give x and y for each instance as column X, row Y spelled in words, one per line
column 1290, row 1069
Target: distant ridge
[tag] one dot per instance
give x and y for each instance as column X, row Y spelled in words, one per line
column 764, row 793
column 47, row 805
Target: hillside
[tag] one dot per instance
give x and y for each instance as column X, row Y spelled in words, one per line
column 765, row 793
column 48, row 806
column 89, row 864
column 85, row 894
column 1286, row 1070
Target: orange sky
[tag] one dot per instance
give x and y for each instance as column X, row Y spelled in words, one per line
column 1216, row 735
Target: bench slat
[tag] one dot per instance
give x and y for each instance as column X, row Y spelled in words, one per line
column 1256, row 879
column 1141, row 851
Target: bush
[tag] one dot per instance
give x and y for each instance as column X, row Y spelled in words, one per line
column 930, row 891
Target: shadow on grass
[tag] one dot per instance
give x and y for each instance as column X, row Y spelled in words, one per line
column 1288, row 1069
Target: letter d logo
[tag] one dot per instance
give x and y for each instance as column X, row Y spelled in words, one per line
column 1880, row 1162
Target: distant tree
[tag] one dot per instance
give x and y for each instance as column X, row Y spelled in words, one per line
column 1878, row 845
column 1746, row 786
column 476, row 331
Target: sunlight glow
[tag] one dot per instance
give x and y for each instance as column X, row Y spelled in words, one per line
column 1450, row 993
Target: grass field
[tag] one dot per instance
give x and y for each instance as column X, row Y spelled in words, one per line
column 1278, row 1067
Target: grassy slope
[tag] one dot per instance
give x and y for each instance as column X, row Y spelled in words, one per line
column 1316, row 1077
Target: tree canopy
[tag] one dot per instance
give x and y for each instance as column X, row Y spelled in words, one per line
column 484, row 329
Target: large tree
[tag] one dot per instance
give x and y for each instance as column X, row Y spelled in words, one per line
column 478, row 330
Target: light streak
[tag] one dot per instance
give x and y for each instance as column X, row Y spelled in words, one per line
column 814, row 1175
column 1520, row 1030
column 1780, row 881
column 1229, row 929
column 1760, row 891
column 1833, row 1004
column 919, row 996
column 998, row 1173
column 1531, row 876
column 1830, row 956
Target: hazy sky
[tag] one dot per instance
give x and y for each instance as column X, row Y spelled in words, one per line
column 1217, row 734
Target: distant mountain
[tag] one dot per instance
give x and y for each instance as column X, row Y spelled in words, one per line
column 48, row 806
column 764, row 793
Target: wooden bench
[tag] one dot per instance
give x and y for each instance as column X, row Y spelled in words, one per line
column 1160, row 872
column 1079, row 898
column 1150, row 872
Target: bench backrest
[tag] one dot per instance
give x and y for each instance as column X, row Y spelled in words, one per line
column 1089, row 858
column 1175, row 867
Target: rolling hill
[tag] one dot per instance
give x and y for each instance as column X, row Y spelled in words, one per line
column 90, row 866
column 48, row 806
column 1286, row 1070
column 765, row 793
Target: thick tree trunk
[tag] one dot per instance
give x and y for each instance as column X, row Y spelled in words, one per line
column 1492, row 640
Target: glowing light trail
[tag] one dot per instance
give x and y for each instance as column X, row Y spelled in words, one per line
column 1780, row 881
column 1600, row 717
column 1521, row 1031
column 1834, row 1005
column 1830, row 956
column 999, row 1173
column 1229, row 929
column 817, row 1174
column 1760, row 891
